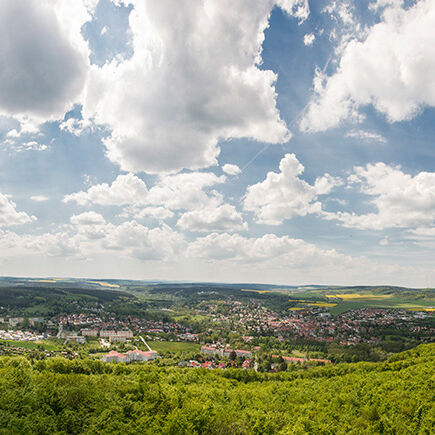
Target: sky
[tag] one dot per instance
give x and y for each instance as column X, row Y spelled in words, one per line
column 275, row 141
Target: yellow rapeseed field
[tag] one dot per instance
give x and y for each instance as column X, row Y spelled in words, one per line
column 356, row 296
column 104, row 284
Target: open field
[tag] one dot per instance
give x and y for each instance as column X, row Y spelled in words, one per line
column 173, row 346
column 46, row 344
column 105, row 284
column 356, row 296
column 393, row 302
column 322, row 304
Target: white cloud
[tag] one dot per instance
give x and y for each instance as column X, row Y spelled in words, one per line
column 30, row 146
column 401, row 200
column 9, row 215
column 188, row 85
column 89, row 234
column 88, row 218
column 366, row 136
column 126, row 189
column 159, row 213
column 207, row 219
column 143, row 243
column 175, row 192
column 39, row 198
column 268, row 250
column 44, row 58
column 309, row 39
column 77, row 127
column 391, row 68
column 230, row 169
column 284, row 195
column 186, row 191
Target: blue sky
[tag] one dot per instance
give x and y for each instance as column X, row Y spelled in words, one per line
column 286, row 141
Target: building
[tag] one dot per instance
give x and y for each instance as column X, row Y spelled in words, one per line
column 118, row 336
column 125, row 333
column 242, row 353
column 114, row 356
column 130, row 356
column 107, row 333
column 75, row 339
column 209, row 350
column 139, row 355
column 13, row 321
column 89, row 332
column 35, row 320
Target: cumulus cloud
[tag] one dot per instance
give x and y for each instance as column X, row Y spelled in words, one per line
column 231, row 169
column 159, row 213
column 9, row 215
column 268, row 249
column 43, row 57
column 175, row 192
column 90, row 234
column 284, row 195
column 390, row 68
column 77, row 127
column 126, row 189
column 309, row 39
column 401, row 200
column 88, row 218
column 193, row 79
column 207, row 219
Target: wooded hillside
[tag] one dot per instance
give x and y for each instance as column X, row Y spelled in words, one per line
column 84, row 396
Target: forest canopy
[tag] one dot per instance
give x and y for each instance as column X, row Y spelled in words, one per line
column 57, row 396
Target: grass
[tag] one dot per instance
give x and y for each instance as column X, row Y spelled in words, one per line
column 189, row 317
column 47, row 345
column 393, row 302
column 173, row 346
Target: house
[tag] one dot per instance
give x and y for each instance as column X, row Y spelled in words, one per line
column 208, row 365
column 247, row 364
column 13, row 321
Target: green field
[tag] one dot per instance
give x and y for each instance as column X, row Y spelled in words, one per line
column 392, row 302
column 46, row 344
column 173, row 346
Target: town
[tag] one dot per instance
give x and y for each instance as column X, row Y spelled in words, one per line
column 243, row 333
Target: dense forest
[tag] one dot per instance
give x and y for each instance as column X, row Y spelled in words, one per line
column 56, row 396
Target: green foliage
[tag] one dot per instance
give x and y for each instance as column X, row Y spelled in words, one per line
column 56, row 396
